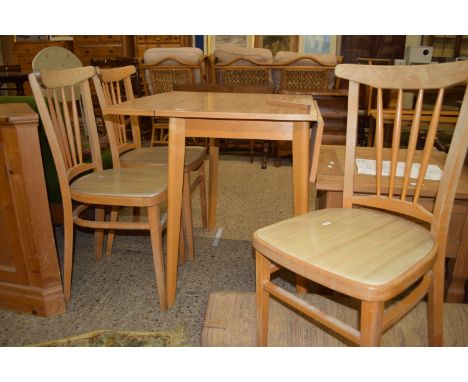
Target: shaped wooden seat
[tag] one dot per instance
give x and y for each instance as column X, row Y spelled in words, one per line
column 114, row 86
column 84, row 184
column 390, row 251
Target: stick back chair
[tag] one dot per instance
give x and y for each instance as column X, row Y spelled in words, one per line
column 113, row 86
column 391, row 246
column 84, row 184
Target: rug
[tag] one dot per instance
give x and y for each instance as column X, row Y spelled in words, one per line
column 113, row 338
column 230, row 321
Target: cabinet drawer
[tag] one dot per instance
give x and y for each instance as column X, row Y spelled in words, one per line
column 99, row 51
column 111, row 39
column 164, row 39
column 24, row 50
column 140, row 39
column 86, row 39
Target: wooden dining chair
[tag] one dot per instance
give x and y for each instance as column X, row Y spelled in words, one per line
column 390, row 247
column 84, row 184
column 113, row 86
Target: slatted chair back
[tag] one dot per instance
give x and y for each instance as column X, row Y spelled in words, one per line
column 118, row 62
column 405, row 168
column 114, row 86
column 63, row 121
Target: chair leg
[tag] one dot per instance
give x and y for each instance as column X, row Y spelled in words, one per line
column 156, row 245
column 371, row 322
column 111, row 234
column 187, row 213
column 435, row 305
column 252, row 150
column 266, row 152
column 262, row 298
column 100, row 215
column 67, row 256
column 136, row 214
column 182, row 257
column 202, row 186
column 153, row 132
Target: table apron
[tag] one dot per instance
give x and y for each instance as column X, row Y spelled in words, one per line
column 242, row 129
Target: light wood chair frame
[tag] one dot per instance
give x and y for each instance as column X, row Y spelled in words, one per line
column 113, row 86
column 394, row 196
column 61, row 120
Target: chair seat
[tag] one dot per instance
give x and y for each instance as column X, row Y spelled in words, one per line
column 122, row 184
column 349, row 246
column 194, row 155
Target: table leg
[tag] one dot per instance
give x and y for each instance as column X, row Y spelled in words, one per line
column 457, row 280
column 300, row 148
column 213, row 183
column 176, row 152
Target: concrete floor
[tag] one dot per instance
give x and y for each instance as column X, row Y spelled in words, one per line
column 119, row 292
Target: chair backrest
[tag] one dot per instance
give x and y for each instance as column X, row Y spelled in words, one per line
column 163, row 68
column 61, row 120
column 399, row 190
column 243, row 71
column 55, row 57
column 114, row 86
column 239, row 66
column 117, row 62
column 306, row 72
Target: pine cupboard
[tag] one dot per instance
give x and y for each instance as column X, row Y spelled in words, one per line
column 29, row 269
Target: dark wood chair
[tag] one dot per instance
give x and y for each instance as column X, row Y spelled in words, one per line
column 12, row 76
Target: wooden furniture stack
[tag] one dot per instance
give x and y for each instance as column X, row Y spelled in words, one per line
column 87, row 47
column 25, row 51
column 29, row 270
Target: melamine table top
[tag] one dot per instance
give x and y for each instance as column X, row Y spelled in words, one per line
column 214, row 105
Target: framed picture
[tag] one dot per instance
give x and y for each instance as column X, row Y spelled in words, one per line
column 277, row 43
column 60, row 38
column 212, row 42
column 30, row 38
column 320, row 44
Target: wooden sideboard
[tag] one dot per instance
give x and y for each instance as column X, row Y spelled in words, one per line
column 87, row 47
column 25, row 51
column 143, row 43
column 29, row 269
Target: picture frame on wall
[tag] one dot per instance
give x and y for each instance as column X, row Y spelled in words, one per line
column 318, row 44
column 277, row 43
column 60, row 38
column 28, row 38
column 212, row 41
